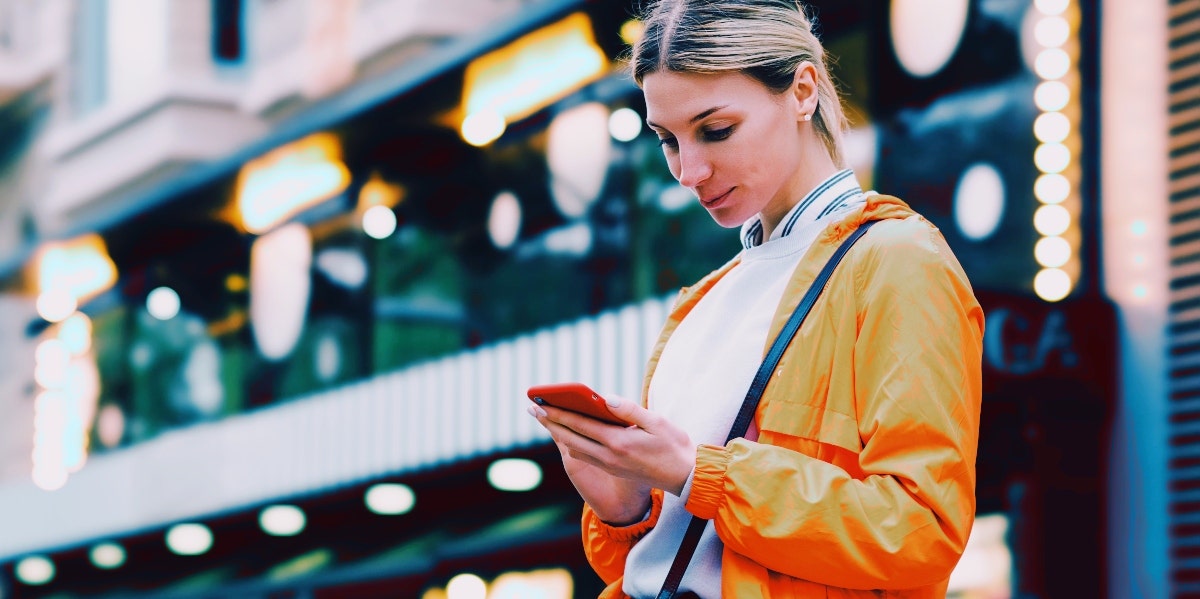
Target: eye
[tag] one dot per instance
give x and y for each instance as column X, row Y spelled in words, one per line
column 718, row 134
column 668, row 142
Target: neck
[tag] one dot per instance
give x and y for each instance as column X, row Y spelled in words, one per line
column 817, row 167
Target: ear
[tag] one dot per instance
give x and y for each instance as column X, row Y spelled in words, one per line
column 804, row 90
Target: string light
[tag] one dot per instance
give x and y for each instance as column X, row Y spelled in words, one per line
column 1056, row 187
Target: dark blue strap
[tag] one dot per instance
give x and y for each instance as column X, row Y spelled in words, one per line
column 695, row 528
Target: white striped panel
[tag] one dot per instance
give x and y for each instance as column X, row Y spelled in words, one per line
column 426, row 385
column 565, row 365
column 410, row 408
column 394, row 392
column 631, row 356
column 385, row 424
column 507, row 386
column 585, row 353
column 463, row 422
column 469, row 404
column 606, row 350
column 450, row 407
column 488, row 400
column 523, row 368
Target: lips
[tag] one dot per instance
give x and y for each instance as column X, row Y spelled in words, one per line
column 714, row 201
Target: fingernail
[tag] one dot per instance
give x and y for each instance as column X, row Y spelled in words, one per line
column 535, row 411
column 612, row 402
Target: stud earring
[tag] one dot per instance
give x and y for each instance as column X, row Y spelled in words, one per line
column 808, row 117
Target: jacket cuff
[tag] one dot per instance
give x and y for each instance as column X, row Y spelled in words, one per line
column 631, row 532
column 708, row 483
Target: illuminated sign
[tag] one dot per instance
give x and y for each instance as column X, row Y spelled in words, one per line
column 519, row 79
column 285, row 181
column 1027, row 338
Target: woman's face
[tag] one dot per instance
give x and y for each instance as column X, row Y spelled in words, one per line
column 735, row 144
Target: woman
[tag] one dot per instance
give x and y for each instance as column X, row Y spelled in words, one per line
column 857, row 475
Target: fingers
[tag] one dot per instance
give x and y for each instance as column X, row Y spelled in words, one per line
column 579, row 423
column 572, row 431
column 626, row 410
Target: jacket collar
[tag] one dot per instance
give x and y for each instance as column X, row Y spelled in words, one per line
column 838, row 191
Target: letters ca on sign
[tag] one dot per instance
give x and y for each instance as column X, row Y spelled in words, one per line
column 1020, row 345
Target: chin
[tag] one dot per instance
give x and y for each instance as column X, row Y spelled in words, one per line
column 727, row 220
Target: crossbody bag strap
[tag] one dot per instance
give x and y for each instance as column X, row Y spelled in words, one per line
column 695, row 528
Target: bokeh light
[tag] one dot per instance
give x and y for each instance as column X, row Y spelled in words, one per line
column 514, row 474
column 282, row 520
column 625, row 124
column 1052, row 252
column 1052, row 158
column 56, row 304
column 979, row 201
column 1051, row 220
column 1052, row 284
column 1051, row 127
column 379, row 222
column 189, row 539
column 924, row 45
column 107, row 556
column 163, row 303
column 1052, row 188
column 483, row 127
column 466, row 586
column 1050, row 96
column 390, row 499
column 504, row 220
column 35, row 570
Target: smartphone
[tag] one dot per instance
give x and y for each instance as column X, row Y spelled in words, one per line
column 576, row 397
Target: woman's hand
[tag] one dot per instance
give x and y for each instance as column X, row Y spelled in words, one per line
column 614, row 467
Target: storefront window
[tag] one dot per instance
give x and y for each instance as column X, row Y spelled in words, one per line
column 434, row 247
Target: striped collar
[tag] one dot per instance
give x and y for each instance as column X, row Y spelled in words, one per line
column 838, row 191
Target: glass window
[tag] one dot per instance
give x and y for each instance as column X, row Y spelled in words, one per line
column 228, row 37
column 89, row 57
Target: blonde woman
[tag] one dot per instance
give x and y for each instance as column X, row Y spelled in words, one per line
column 856, row 476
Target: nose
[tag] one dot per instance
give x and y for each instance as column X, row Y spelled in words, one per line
column 694, row 167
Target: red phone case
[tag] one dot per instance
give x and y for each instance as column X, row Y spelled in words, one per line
column 576, row 397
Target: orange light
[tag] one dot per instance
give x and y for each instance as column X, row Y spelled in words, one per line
column 289, row 179
column 80, row 268
column 536, row 70
column 378, row 192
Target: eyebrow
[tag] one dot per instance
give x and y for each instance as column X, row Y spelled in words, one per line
column 693, row 119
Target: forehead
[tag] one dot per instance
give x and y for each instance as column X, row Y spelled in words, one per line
column 673, row 98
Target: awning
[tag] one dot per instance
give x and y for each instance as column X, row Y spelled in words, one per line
column 321, row 115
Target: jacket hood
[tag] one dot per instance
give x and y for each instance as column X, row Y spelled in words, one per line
column 877, row 207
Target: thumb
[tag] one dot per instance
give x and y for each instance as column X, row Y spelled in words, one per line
column 627, row 410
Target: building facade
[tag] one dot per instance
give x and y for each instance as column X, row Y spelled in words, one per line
column 284, row 268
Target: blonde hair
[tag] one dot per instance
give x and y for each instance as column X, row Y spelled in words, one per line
column 763, row 39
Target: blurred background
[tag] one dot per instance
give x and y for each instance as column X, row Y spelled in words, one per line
column 275, row 274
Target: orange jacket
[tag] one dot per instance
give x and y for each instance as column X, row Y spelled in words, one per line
column 863, row 475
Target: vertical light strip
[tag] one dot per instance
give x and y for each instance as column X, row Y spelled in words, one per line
column 1137, row 265
column 1057, row 130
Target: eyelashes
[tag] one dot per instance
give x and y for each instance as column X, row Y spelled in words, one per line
column 718, row 134
column 714, row 135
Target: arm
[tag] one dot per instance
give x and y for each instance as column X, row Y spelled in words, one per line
column 903, row 520
column 620, row 472
column 606, row 547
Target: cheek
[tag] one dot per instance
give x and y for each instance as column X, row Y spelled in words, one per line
column 770, row 158
column 748, row 162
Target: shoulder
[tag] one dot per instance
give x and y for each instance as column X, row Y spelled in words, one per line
column 912, row 237
column 904, row 252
